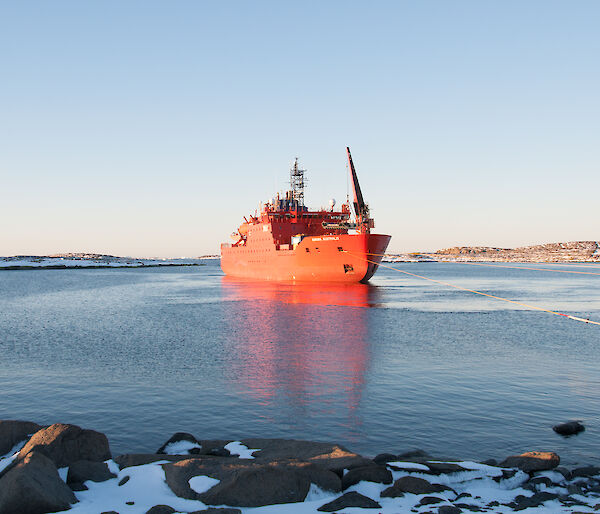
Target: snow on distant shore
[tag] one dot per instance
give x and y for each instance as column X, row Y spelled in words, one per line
column 90, row 261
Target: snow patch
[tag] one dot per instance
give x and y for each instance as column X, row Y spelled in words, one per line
column 237, row 448
column 202, row 483
column 180, row 447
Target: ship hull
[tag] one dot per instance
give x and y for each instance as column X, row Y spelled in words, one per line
column 327, row 258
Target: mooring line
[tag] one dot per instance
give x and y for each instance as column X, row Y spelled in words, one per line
column 509, row 267
column 527, row 267
column 575, row 318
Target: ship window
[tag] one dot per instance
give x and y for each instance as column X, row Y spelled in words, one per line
column 348, row 268
column 340, row 249
column 307, row 250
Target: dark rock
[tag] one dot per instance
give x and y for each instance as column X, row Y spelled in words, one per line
column 216, row 510
column 541, row 480
column 449, row 509
column 586, row 471
column 352, row 499
column 429, row 500
column 124, row 480
column 139, row 459
column 178, row 436
column 130, row 503
column 570, row 428
column 13, row 432
column 490, row 462
column 469, row 506
column 413, row 485
column 442, row 468
column 77, row 486
column 378, row 474
column 33, row 486
column 83, row 470
column 523, row 502
column 464, row 495
column 575, row 489
column 384, row 458
column 564, row 472
column 506, row 474
column 109, row 512
column 66, row 444
column 217, row 452
column 414, row 456
column 161, row 509
column 493, row 504
column 532, row 461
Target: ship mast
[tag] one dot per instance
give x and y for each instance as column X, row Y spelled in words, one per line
column 297, row 183
column 361, row 209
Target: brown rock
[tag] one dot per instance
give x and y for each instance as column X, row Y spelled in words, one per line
column 66, row 444
column 161, row 509
column 33, row 486
column 138, row 459
column 378, row 474
column 83, row 470
column 247, row 483
column 351, row 499
column 532, row 461
column 413, row 485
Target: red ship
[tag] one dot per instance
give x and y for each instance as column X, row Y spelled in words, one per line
column 287, row 242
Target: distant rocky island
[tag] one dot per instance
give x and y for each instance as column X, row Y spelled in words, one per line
column 575, row 251
column 90, row 260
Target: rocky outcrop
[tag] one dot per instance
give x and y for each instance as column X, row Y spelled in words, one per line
column 83, row 470
column 33, row 486
column 413, row 485
column 66, row 444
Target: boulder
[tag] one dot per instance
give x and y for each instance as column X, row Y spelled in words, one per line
column 524, row 502
column 247, row 483
column 352, row 499
column 532, row 461
column 33, row 486
column 13, row 432
column 413, row 485
column 430, row 500
column 215, row 510
column 326, row 455
column 443, row 468
column 378, row 474
column 161, row 509
column 449, row 509
column 83, row 470
column 257, row 486
column 384, row 458
column 66, row 444
column 414, row 456
column 179, row 437
column 569, row 428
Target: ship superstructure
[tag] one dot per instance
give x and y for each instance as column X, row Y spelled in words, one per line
column 288, row 242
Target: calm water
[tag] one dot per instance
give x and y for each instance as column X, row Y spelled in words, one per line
column 395, row 365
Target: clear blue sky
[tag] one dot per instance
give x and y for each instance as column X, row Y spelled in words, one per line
column 150, row 128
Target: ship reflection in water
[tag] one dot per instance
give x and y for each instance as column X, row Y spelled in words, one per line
column 302, row 349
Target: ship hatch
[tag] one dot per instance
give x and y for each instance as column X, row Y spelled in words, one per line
column 348, row 268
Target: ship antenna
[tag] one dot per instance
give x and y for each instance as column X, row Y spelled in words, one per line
column 297, row 181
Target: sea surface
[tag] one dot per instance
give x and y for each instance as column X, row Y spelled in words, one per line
column 398, row 364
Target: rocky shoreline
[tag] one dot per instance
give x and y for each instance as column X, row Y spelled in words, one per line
column 64, row 467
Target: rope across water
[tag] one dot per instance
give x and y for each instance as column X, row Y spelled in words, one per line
column 575, row 318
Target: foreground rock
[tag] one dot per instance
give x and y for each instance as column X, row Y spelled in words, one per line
column 66, row 444
column 13, row 432
column 532, row 461
column 413, row 485
column 249, row 484
column 33, row 486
